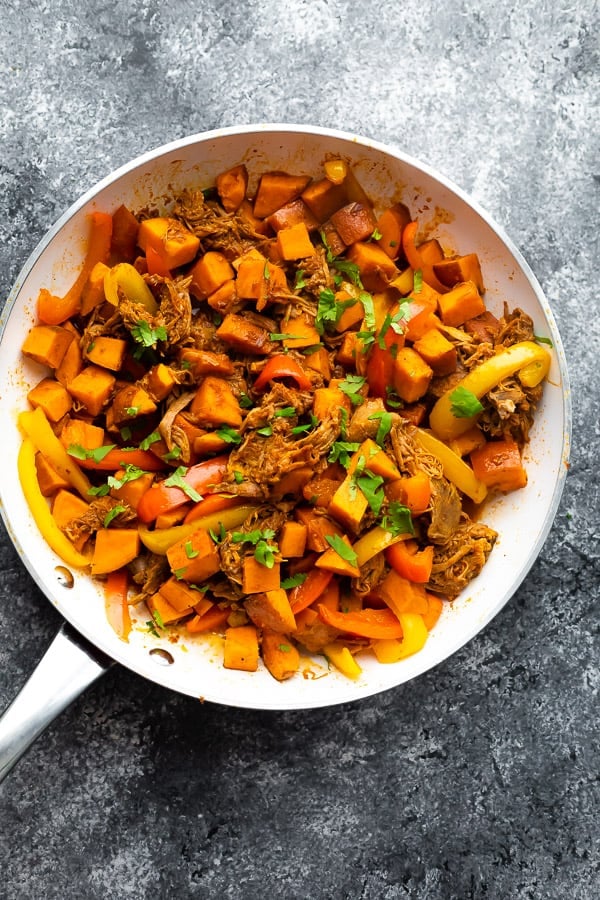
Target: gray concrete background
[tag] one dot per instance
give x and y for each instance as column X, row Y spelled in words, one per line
column 479, row 780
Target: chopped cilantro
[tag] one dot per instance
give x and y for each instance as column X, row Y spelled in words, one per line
column 97, row 454
column 100, row 491
column 314, row 348
column 179, row 573
column 371, row 486
column 341, row 548
column 301, row 429
column 265, row 554
column 150, row 439
column 130, row 473
column 385, row 426
column 351, row 386
column 174, row 453
column 464, row 403
column 132, row 410
column 266, row 431
column 543, row 340
column 218, row 536
column 113, row 513
column 287, row 412
column 417, row 281
column 340, row 452
column 376, row 235
column 294, row 580
column 350, row 269
column 299, row 280
column 266, row 272
column 146, row 336
column 343, row 422
column 398, row 519
column 285, row 648
column 189, row 550
column 229, row 435
column 283, row 336
column 367, row 302
column 125, row 433
column 238, row 477
column 252, row 537
column 177, row 479
column 245, row 401
column 392, row 399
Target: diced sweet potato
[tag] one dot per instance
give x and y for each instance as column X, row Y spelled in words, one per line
column 216, row 404
column 67, row 506
column 194, row 558
column 457, row 269
column 93, row 290
column 292, row 539
column 323, row 198
column 241, row 648
column 348, row 350
column 376, row 268
column 431, row 251
column 305, row 333
column 47, row 344
column 271, row 609
column 353, row 311
column 318, row 527
column 78, row 432
column 209, row 274
column 294, row 242
column 411, row 376
column 224, row 298
column 160, row 382
column 275, row 189
column 163, row 612
column 171, row 240
column 114, row 548
column 319, row 361
column 72, row 362
column 390, row 225
column 205, row 362
column 124, row 234
column 331, row 561
column 279, row 655
column 437, row 351
column 243, row 335
column 257, row 278
column 461, row 303
column 132, row 491
column 257, row 578
column 48, row 478
column 327, row 399
column 52, row 397
column 293, row 213
column 181, row 596
column 354, row 222
column 92, row 387
column 498, row 465
column 131, row 402
column 231, row 187
column 207, row 444
column 108, row 352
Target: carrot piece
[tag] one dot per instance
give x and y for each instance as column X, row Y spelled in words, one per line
column 376, row 268
column 171, row 240
column 54, row 310
column 292, row 540
column 231, row 187
column 390, row 225
column 279, row 655
column 115, row 603
column 411, row 563
column 216, row 404
column 310, row 590
column 434, row 611
column 209, row 274
column 275, row 189
column 498, row 465
column 93, row 294
column 212, row 620
column 294, row 242
column 271, row 609
column 194, row 558
column 257, row 578
column 49, row 480
column 354, row 222
column 437, row 351
column 369, row 623
column 92, row 387
column 457, row 269
column 114, row 548
column 47, row 344
column 461, row 303
column 412, row 375
column 52, row 397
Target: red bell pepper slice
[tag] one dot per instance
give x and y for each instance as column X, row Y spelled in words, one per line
column 377, row 624
column 310, row 590
column 281, row 366
column 117, row 457
column 416, row 261
column 212, row 504
column 380, row 364
column 162, row 498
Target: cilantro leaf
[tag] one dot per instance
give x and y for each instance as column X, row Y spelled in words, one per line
column 238, row 477
column 285, row 648
column 266, row 431
column 340, row 452
column 367, row 302
column 398, row 519
column 97, row 454
column 252, row 537
column 376, row 235
column 287, row 412
column 130, row 473
column 341, row 548
column 113, row 513
column 218, row 536
column 283, row 336
column 174, row 453
column 294, row 580
column 245, row 401
column 351, row 386
column 177, row 479
column 543, row 340
column 464, row 403
column 385, row 426
column 265, row 554
column 229, row 435
column 350, row 269
column 417, row 281
column 150, row 439
column 301, row 429
column 143, row 333
column 371, row 486
column 100, row 491
column 299, row 280
column 189, row 550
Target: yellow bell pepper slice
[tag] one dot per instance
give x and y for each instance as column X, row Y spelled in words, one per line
column 455, row 469
column 38, row 429
column 531, row 361
column 343, row 660
column 159, row 540
column 126, row 278
column 375, row 541
column 414, row 638
column 38, row 506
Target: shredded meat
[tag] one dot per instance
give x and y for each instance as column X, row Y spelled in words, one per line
column 365, row 422
column 279, row 397
column 445, row 510
column 461, row 558
column 150, row 576
column 93, row 518
column 410, row 456
column 371, row 573
column 174, row 313
column 232, row 552
column 516, row 326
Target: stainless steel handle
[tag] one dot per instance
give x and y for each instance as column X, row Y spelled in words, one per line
column 67, row 668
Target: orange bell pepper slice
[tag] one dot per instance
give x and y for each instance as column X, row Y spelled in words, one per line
column 413, row 564
column 162, row 498
column 117, row 457
column 281, row 366
column 54, row 310
column 310, row 590
column 212, row 504
column 368, row 623
column 115, row 603
column 416, row 261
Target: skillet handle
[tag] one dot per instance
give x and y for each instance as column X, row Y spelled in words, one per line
column 67, row 668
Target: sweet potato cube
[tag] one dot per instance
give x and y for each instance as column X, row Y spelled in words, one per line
column 331, row 561
column 457, row 269
column 257, row 578
column 216, row 404
column 318, row 527
column 108, row 352
column 279, row 655
column 171, row 240
column 130, row 402
column 376, row 268
column 352, row 314
column 377, row 461
column 243, row 335
column 291, row 214
column 132, row 491
column 47, row 344
column 275, row 189
column 332, row 238
column 81, row 434
column 271, row 609
column 209, row 274
column 224, row 298
column 498, row 465
column 292, row 540
column 114, row 548
column 323, row 198
column 241, row 648
column 294, row 242
column 326, row 400
column 348, row 350
column 163, row 612
column 390, row 225
column 319, row 362
column 231, row 187
column 208, row 444
column 257, row 277
column 461, row 303
column 92, row 387
column 354, row 222
column 67, row 506
column 305, row 333
column 72, row 362
column 160, row 382
column 182, row 597
column 123, row 239
column 52, row 397
column 48, row 478
column 195, row 557
column 93, row 290
column 411, row 375
column 437, row 351
column 205, row 362
column 348, row 504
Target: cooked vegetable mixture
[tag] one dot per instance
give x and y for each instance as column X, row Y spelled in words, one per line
column 274, row 417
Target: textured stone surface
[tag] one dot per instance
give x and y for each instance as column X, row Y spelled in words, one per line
column 481, row 778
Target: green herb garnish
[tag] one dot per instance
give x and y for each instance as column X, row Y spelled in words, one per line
column 351, row 386
column 238, row 477
column 245, row 401
column 146, row 336
column 113, row 513
column 189, row 550
column 177, row 479
column 174, row 453
column 371, row 486
column 150, row 439
column 543, row 340
column 398, row 519
column 340, row 452
column 299, row 280
column 385, row 426
column 341, row 548
column 417, row 281
column 294, row 580
column 266, row 431
column 218, row 536
column 97, row 454
column 229, row 435
column 464, row 404
column 286, row 412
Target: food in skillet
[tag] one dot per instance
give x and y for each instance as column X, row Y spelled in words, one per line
column 272, row 417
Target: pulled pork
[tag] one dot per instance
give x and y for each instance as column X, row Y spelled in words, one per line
column 461, row 557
